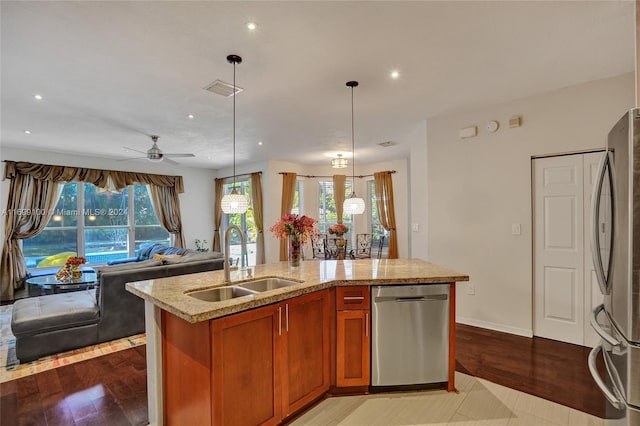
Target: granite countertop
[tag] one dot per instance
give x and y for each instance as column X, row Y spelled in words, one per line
column 171, row 293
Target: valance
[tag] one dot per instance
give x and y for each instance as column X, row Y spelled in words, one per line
column 106, row 179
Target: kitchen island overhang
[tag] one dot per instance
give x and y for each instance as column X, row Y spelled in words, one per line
column 172, row 296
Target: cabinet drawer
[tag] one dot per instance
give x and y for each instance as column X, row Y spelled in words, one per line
column 352, row 298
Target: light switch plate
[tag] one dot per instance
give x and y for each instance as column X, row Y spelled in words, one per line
column 415, row 227
column 515, row 229
column 471, row 289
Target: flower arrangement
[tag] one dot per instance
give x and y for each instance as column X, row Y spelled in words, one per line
column 71, row 268
column 75, row 261
column 339, row 229
column 299, row 228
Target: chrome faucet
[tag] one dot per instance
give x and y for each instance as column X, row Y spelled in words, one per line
column 243, row 251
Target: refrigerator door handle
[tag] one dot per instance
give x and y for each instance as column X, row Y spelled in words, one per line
column 613, row 399
column 595, row 218
column 598, row 328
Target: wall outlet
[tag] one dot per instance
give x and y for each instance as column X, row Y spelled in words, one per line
column 515, row 229
column 471, row 289
column 415, row 227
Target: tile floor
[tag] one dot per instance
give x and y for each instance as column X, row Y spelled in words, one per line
column 479, row 403
column 15, row 371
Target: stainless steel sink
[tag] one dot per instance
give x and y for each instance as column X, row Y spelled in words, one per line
column 221, row 293
column 266, row 284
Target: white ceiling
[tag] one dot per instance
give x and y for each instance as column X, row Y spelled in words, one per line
column 112, row 73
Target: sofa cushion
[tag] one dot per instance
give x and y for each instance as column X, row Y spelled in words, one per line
column 194, row 257
column 130, row 266
column 36, row 315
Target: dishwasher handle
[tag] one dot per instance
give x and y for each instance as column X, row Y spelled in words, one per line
column 425, row 298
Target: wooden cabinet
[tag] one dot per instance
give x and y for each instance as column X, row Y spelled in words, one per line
column 353, row 340
column 306, row 353
column 245, row 368
column 251, row 368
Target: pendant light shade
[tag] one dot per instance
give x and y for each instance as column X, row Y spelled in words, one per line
column 234, row 202
column 353, row 205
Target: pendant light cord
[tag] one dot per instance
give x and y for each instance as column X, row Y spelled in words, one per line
column 353, row 151
column 234, row 125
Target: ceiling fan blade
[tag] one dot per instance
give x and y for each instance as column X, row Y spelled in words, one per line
column 134, row 150
column 178, row 155
column 170, row 161
column 132, row 158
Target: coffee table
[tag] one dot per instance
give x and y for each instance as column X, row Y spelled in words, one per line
column 48, row 284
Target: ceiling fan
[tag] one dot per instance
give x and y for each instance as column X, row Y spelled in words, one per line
column 155, row 154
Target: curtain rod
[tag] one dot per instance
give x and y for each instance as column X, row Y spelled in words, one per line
column 320, row 176
column 243, row 174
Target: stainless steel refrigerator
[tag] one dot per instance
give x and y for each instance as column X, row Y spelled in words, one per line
column 615, row 245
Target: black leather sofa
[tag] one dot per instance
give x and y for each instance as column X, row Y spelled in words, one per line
column 55, row 323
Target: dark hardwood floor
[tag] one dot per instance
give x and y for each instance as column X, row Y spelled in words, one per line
column 108, row 390
column 111, row 390
column 546, row 368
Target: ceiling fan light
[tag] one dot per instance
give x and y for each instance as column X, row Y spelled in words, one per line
column 353, row 205
column 234, row 203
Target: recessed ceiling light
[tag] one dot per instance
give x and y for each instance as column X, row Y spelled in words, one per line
column 260, row 143
column 28, row 132
column 191, row 116
column 251, row 26
column 395, row 74
column 38, row 97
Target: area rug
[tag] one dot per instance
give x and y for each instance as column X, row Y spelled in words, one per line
column 11, row 368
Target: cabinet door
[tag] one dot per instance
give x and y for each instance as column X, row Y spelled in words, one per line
column 353, row 348
column 306, row 356
column 245, row 373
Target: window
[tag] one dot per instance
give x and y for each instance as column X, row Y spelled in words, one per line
column 101, row 226
column 376, row 227
column 297, row 197
column 244, row 221
column 327, row 213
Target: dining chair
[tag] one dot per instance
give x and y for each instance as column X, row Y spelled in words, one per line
column 363, row 246
column 319, row 246
column 380, row 246
column 337, row 248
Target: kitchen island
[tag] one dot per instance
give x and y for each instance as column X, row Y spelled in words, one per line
column 203, row 356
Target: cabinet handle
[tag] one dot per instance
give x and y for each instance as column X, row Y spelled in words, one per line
column 286, row 317
column 353, row 298
column 366, row 324
column 280, row 321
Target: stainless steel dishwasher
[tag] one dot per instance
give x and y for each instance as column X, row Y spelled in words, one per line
column 410, row 334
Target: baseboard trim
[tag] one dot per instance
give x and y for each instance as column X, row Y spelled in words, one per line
column 496, row 327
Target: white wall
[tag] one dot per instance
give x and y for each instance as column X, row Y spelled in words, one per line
column 478, row 187
column 196, row 203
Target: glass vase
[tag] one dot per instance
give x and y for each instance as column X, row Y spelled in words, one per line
column 295, row 252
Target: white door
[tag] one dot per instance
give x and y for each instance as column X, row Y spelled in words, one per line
column 559, row 248
column 564, row 282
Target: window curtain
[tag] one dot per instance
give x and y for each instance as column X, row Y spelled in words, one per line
column 217, row 215
column 167, row 207
column 339, row 194
column 288, row 192
column 258, row 216
column 386, row 211
column 36, row 187
column 38, row 198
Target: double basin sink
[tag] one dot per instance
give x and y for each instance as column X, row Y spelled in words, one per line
column 246, row 288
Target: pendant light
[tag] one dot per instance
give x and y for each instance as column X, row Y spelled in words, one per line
column 339, row 162
column 234, row 202
column 353, row 205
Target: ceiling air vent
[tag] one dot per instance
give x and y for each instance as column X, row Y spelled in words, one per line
column 387, row 143
column 219, row 87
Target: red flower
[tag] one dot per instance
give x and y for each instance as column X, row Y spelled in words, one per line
column 338, row 229
column 76, row 261
column 301, row 228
